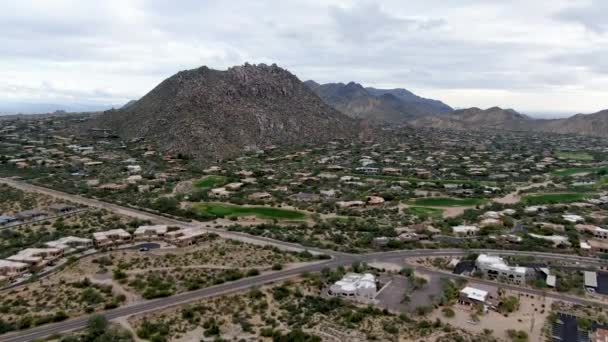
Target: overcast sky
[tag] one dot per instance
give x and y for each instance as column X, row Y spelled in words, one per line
column 534, row 56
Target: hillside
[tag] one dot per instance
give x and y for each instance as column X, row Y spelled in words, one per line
column 475, row 118
column 508, row 119
column 590, row 124
column 208, row 113
column 388, row 106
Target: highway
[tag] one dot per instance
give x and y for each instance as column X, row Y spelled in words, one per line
column 337, row 259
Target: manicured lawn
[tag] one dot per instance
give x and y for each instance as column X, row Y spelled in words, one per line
column 425, row 212
column 536, row 199
column 230, row 210
column 447, row 202
column 582, row 156
column 210, row 182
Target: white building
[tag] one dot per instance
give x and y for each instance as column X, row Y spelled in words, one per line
column 573, row 218
column 357, row 286
column 494, row 267
column 470, row 295
column 556, row 239
column 133, row 169
column 465, row 230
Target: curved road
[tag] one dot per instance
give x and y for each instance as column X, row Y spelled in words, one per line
column 338, row 259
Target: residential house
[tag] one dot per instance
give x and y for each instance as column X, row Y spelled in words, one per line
column 219, row 193
column 12, row 269
column 374, row 200
column 494, row 267
column 37, row 257
column 464, row 230
column 558, row 240
column 260, row 196
column 357, row 286
column 185, row 237
column 111, row 237
column 150, row 232
column 70, row 244
column 598, row 246
column 349, row 204
column 478, row 295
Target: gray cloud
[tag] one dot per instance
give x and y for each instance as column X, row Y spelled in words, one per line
column 462, row 51
column 592, row 15
column 367, row 21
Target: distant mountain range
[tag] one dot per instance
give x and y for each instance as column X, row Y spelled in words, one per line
column 206, row 113
column 17, row 107
column 508, row 119
column 211, row 114
column 402, row 107
column 387, row 106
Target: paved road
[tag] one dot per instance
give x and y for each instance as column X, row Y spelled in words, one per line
column 152, row 305
column 159, row 219
column 338, row 259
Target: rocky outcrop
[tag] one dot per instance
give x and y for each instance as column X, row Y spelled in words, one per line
column 208, row 113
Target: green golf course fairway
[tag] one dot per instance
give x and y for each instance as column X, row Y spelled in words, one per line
column 447, row 202
column 230, row 210
column 210, row 181
column 536, row 199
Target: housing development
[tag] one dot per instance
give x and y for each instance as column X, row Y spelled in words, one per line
column 415, row 234
column 303, row 171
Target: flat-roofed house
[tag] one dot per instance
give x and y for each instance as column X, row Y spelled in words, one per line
column 219, row 193
column 495, row 267
column 477, row 294
column 185, row 237
column 71, row 244
column 465, row 230
column 598, row 246
column 150, row 232
column 260, row 196
column 357, row 286
column 12, row 269
column 37, row 257
column 111, row 237
column 590, row 280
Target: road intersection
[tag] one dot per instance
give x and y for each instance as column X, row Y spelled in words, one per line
column 337, row 259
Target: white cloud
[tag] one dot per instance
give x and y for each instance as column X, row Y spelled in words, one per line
column 532, row 56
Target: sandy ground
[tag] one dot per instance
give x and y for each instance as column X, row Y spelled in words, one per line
column 529, row 318
column 124, row 322
column 515, row 197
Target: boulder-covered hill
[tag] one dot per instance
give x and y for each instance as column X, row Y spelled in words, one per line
column 208, row 113
column 587, row 124
column 476, row 118
column 507, row 119
column 387, row 106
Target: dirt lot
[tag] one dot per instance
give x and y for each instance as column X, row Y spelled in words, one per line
column 13, row 200
column 166, row 271
column 530, row 317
